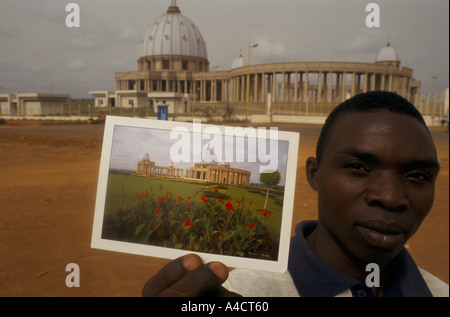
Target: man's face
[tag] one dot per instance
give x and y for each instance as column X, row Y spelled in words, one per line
column 375, row 183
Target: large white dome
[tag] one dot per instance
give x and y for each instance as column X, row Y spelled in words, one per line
column 387, row 54
column 173, row 34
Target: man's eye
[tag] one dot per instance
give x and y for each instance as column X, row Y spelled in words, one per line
column 357, row 167
column 418, row 176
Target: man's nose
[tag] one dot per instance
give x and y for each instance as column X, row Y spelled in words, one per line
column 388, row 191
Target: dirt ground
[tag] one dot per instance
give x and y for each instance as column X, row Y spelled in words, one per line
column 48, row 187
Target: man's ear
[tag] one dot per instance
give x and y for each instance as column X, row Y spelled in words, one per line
column 312, row 169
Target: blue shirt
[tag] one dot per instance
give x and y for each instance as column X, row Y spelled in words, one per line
column 314, row 277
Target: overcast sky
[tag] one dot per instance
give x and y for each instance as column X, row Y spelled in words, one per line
column 38, row 53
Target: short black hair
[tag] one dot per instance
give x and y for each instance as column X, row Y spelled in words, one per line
column 366, row 102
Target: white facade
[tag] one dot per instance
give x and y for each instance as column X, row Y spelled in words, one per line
column 104, row 98
column 32, row 104
column 176, row 102
column 131, row 99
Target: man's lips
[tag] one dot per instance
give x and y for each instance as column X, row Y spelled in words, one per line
column 381, row 235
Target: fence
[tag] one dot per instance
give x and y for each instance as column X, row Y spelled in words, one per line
column 429, row 105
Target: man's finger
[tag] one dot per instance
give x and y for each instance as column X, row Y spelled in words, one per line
column 200, row 282
column 171, row 273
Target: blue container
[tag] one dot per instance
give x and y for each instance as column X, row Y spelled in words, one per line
column 163, row 113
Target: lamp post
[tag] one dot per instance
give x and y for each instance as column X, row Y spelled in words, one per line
column 250, row 46
column 434, row 84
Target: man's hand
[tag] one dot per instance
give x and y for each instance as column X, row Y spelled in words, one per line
column 187, row 276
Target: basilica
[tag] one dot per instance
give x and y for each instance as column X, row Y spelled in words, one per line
column 205, row 172
column 174, row 70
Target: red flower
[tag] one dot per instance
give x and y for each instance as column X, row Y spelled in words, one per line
column 216, row 190
column 187, row 223
column 136, row 195
column 238, row 202
column 180, row 198
column 189, row 197
column 157, row 211
column 165, row 198
column 220, row 200
column 251, row 202
column 252, row 225
column 229, row 206
column 160, row 187
column 159, row 200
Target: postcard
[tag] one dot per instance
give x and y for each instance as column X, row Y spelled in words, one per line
column 169, row 188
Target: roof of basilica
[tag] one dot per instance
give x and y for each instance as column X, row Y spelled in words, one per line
column 387, row 53
column 173, row 34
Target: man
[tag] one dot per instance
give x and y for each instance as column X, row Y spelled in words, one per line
column 375, row 171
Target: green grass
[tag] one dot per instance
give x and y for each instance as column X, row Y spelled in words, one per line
column 122, row 189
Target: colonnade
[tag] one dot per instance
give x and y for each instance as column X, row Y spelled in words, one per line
column 306, row 82
column 294, row 82
column 222, row 174
column 147, row 167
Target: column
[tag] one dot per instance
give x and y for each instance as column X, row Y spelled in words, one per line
column 214, row 90
column 373, row 79
column 344, row 86
column 353, row 88
column 295, row 87
column 383, row 82
column 305, row 89
column 262, row 87
column 338, row 88
column 366, row 82
column 408, row 88
column 288, row 87
column 330, row 87
column 274, row 86
column 231, row 90
column 282, row 92
column 204, row 90
column 300, row 87
column 225, row 90
column 319, row 87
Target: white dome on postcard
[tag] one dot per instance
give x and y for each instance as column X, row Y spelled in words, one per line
column 173, row 34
